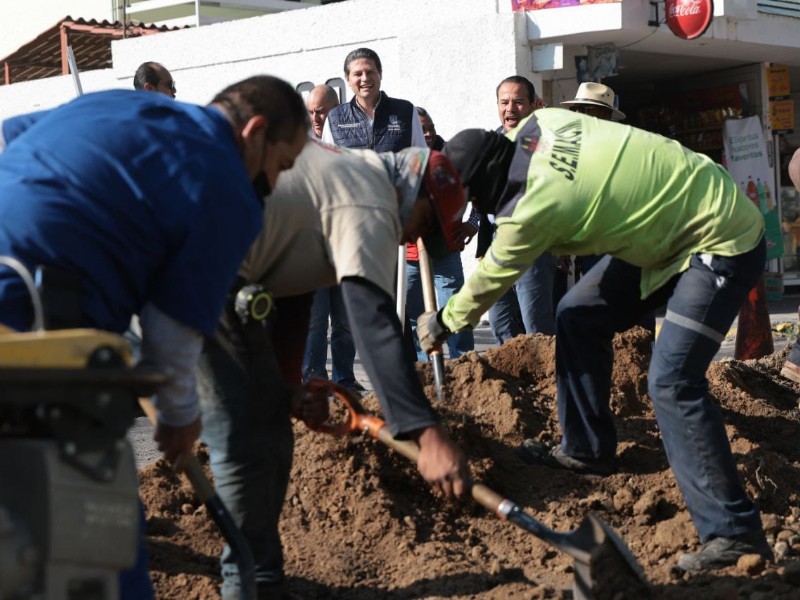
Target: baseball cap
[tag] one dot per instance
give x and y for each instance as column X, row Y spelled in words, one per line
column 482, row 158
column 410, row 169
column 447, row 197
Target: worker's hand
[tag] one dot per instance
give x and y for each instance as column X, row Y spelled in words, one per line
column 176, row 442
column 464, row 233
column 431, row 331
column 310, row 406
column 563, row 263
column 442, row 464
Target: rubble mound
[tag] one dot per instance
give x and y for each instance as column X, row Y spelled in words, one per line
column 359, row 523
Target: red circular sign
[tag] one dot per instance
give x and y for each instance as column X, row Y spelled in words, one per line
column 689, row 19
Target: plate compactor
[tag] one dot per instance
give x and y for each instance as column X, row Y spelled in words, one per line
column 69, row 513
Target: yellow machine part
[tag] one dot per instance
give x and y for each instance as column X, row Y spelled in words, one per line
column 57, row 349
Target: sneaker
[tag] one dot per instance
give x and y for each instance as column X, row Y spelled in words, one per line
column 791, row 367
column 355, row 387
column 537, row 453
column 723, row 552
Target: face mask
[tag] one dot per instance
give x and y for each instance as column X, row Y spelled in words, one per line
column 261, row 185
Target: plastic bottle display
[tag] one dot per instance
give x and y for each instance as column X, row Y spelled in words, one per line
column 762, row 197
column 751, row 191
column 770, row 199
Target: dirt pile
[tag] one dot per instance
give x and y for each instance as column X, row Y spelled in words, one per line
column 359, row 523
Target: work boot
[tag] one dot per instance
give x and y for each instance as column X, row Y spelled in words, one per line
column 791, row 367
column 270, row 585
column 723, row 552
column 537, row 453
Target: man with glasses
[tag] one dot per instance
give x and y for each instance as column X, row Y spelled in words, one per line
column 154, row 77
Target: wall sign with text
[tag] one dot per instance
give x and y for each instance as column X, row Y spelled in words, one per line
column 689, row 19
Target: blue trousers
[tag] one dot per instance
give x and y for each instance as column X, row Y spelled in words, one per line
column 701, row 302
column 448, row 278
column 245, row 410
column 528, row 306
column 135, row 584
column 327, row 302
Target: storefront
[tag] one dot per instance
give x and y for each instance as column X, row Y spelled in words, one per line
column 744, row 118
column 707, row 82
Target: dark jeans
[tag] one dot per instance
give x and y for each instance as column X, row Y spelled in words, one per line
column 533, row 295
column 328, row 301
column 135, row 584
column 245, row 408
column 702, row 302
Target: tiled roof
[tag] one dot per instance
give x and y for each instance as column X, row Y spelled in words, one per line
column 46, row 55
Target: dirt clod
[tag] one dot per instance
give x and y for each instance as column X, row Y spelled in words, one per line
column 359, row 523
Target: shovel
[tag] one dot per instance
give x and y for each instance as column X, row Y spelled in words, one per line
column 219, row 514
column 604, row 566
column 429, row 300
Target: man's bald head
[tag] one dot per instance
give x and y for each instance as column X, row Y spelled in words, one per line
column 320, row 101
column 154, row 77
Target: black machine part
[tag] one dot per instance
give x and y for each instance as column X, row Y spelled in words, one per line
column 69, row 508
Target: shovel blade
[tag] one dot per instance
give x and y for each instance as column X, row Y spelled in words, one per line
column 605, row 568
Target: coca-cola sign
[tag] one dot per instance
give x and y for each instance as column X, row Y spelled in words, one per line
column 689, row 19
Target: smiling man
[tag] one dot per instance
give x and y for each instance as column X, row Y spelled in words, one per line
column 371, row 120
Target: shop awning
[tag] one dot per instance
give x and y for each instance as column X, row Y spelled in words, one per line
column 46, row 55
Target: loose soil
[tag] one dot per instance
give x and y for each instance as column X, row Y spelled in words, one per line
column 359, row 523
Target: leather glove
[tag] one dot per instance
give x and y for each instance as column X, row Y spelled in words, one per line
column 431, row 331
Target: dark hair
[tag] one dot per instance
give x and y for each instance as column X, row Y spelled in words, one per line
column 362, row 53
column 520, row 80
column 270, row 97
column 424, row 113
column 147, row 73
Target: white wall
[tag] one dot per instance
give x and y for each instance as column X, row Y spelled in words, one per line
column 28, row 96
column 443, row 56
column 433, row 54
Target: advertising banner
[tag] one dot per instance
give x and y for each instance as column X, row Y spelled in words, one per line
column 781, row 106
column 520, row 5
column 746, row 160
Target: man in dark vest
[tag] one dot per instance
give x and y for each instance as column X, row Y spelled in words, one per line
column 371, row 119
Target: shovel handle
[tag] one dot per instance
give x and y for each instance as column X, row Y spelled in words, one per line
column 429, row 300
column 580, row 544
column 217, row 511
column 483, row 495
column 359, row 421
column 192, row 468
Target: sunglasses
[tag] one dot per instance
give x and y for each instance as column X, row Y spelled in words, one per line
column 170, row 85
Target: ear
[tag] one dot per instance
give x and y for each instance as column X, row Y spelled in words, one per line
column 255, row 125
column 149, row 87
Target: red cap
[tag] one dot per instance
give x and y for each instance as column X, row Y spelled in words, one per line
column 447, row 196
